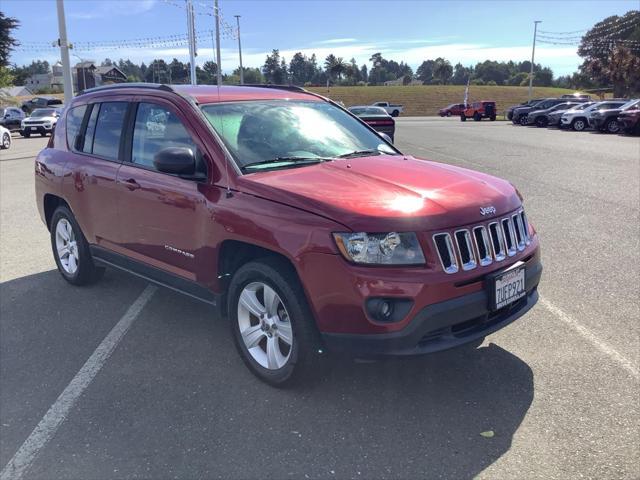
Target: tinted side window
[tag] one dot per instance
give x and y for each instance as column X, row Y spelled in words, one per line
column 91, row 129
column 74, row 122
column 157, row 128
column 106, row 141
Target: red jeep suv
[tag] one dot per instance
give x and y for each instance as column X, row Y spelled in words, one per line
column 309, row 231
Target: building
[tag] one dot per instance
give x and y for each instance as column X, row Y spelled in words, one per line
column 88, row 75
column 51, row 80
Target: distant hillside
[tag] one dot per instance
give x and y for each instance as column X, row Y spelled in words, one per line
column 428, row 99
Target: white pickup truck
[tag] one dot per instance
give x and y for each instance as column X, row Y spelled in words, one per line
column 391, row 108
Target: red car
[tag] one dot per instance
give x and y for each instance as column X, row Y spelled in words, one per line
column 630, row 120
column 453, row 109
column 480, row 110
column 295, row 219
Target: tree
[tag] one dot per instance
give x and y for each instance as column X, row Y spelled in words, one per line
column 210, row 69
column 611, row 53
column 272, row 68
column 250, row 75
column 7, row 41
column 334, row 66
column 107, row 63
column 442, row 71
column 425, row 71
column 6, row 78
column 364, row 74
column 461, row 74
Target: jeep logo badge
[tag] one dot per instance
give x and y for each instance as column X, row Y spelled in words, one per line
column 491, row 210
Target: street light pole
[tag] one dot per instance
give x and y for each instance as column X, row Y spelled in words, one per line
column 192, row 41
column 533, row 54
column 219, row 72
column 64, row 53
column 240, row 50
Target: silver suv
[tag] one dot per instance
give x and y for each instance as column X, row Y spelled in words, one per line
column 577, row 119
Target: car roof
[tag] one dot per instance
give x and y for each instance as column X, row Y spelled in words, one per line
column 212, row 94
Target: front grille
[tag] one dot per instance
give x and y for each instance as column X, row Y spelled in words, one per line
column 483, row 244
column 40, row 123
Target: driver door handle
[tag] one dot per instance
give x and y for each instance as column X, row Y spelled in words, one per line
column 131, row 184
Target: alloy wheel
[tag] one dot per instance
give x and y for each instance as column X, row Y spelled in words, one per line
column 265, row 326
column 67, row 246
column 6, row 141
column 578, row 125
column 613, row 126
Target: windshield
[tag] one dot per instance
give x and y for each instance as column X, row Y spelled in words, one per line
column 43, row 112
column 287, row 131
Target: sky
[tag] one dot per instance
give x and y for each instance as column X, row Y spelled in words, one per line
column 409, row 31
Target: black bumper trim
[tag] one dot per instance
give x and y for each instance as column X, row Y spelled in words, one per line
column 441, row 326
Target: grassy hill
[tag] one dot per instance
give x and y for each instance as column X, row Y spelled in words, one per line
column 428, row 99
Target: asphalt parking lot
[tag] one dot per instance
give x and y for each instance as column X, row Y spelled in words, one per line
column 559, row 388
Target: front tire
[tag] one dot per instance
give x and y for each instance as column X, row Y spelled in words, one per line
column 271, row 323
column 578, row 124
column 463, row 118
column 448, row 114
column 71, row 250
column 524, row 120
column 6, row 141
column 395, row 113
column 26, row 134
column 477, row 117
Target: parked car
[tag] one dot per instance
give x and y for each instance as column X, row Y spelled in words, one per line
column 606, row 120
column 480, row 110
column 5, row 138
column 41, row 120
column 529, row 103
column 392, row 109
column 630, row 120
column 519, row 116
column 10, row 117
column 578, row 119
column 556, row 116
column 377, row 118
column 455, row 109
column 540, row 118
column 577, row 95
column 310, row 232
column 28, row 106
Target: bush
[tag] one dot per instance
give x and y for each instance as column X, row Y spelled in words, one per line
column 477, row 81
column 362, row 84
column 492, row 83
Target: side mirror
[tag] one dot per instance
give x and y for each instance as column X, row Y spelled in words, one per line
column 386, row 137
column 176, row 160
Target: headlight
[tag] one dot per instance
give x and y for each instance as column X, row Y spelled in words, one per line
column 380, row 248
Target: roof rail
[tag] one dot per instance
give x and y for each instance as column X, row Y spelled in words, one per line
column 116, row 86
column 291, row 88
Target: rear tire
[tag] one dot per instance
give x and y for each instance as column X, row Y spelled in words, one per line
column 271, row 323
column 71, row 249
column 541, row 122
column 6, row 141
column 477, row 117
column 395, row 113
column 448, row 114
column 612, row 126
column 463, row 118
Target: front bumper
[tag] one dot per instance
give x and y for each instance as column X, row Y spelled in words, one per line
column 36, row 129
column 442, row 325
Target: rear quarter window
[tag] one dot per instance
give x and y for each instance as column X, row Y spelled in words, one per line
column 74, row 122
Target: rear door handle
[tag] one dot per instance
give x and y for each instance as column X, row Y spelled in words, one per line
column 131, row 184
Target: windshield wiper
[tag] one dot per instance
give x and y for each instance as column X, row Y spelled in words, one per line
column 296, row 160
column 359, row 153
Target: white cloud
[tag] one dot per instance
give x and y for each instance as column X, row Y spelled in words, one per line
column 110, row 9
column 338, row 40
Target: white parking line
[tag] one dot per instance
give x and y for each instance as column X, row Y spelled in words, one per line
column 592, row 337
column 58, row 412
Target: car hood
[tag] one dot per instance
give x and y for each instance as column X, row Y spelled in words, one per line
column 41, row 119
column 386, row 193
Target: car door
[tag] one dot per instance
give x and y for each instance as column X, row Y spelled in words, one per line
column 94, row 137
column 161, row 214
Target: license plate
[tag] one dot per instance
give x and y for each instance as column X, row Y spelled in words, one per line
column 34, row 128
column 507, row 286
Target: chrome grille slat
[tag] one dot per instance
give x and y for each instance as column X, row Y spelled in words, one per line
column 465, row 249
column 481, row 245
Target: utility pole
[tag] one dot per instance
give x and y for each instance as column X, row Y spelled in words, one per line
column 533, row 54
column 192, row 42
column 64, row 53
column 240, row 50
column 219, row 70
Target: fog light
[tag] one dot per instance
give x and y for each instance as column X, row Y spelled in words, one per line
column 388, row 309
